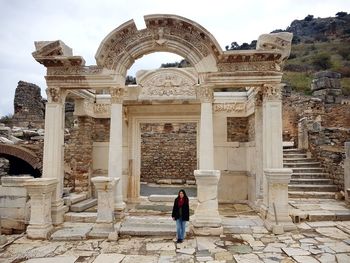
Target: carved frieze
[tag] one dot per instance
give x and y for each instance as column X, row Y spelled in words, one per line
column 258, row 98
column 229, row 107
column 117, row 95
column 249, row 66
column 89, row 70
column 102, row 108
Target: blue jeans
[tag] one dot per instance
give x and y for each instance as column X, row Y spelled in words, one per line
column 180, row 229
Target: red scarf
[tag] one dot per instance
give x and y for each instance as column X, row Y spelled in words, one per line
column 180, row 202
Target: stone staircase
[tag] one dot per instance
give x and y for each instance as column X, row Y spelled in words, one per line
column 308, row 178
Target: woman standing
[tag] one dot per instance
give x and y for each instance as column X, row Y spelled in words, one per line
column 181, row 213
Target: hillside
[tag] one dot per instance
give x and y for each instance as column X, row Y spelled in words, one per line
column 318, row 44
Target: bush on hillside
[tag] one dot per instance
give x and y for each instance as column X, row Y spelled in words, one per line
column 321, row 61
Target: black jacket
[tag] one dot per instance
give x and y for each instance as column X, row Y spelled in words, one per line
column 185, row 210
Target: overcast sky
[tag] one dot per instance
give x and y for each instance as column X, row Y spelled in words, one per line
column 82, row 25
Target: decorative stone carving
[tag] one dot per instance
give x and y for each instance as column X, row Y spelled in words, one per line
column 117, row 95
column 272, row 92
column 258, row 98
column 249, row 66
column 205, row 94
column 74, row 70
column 54, row 94
column 101, row 108
column 281, row 41
column 229, row 107
column 165, row 84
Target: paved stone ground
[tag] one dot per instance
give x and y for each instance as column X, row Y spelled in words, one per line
column 314, row 242
column 245, row 240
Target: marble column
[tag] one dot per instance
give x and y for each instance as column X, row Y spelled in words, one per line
column 105, row 187
column 347, row 171
column 206, row 140
column 115, row 159
column 258, row 120
column 53, row 156
column 206, row 219
column 275, row 192
column 40, row 191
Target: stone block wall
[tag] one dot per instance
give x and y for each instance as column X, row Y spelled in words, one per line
column 168, row 151
column 241, row 129
column 78, row 155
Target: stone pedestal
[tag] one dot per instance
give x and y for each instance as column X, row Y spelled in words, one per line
column 206, row 219
column 347, row 172
column 277, row 199
column 105, row 206
column 40, row 192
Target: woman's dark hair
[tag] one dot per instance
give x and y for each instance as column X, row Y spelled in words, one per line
column 185, row 195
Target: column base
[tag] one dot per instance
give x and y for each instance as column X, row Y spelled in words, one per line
column 57, row 212
column 206, row 221
column 101, row 230
column 284, row 222
column 39, row 231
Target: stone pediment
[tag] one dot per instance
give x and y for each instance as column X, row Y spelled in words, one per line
column 167, row 84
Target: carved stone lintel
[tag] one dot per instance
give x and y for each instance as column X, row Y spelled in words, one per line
column 117, row 95
column 272, row 92
column 205, row 94
column 54, row 94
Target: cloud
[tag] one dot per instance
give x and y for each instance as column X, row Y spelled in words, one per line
column 83, row 24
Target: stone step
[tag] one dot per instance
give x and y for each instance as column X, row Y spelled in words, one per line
column 302, row 164
column 311, row 181
column 148, row 226
column 82, row 217
column 298, row 160
column 313, row 187
column 83, row 205
column 294, row 155
column 307, row 170
column 310, row 194
column 293, row 150
column 309, row 175
column 74, row 198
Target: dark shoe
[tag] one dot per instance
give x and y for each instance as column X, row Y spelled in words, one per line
column 179, row 241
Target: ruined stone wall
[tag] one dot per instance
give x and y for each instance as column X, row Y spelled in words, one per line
column 101, row 130
column 168, row 151
column 29, row 106
column 78, row 155
column 328, row 128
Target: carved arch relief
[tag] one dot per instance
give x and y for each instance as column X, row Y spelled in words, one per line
column 170, row 33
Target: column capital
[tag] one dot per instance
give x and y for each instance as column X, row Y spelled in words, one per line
column 272, row 91
column 205, row 94
column 258, row 98
column 278, row 175
column 55, row 94
column 117, row 94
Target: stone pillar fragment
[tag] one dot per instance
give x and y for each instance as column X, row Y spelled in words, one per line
column 347, row 172
column 105, row 187
column 115, row 159
column 303, row 139
column 206, row 219
column 40, row 191
column 53, row 157
column 277, row 210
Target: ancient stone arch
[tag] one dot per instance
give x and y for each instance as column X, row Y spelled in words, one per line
column 171, row 33
column 20, row 153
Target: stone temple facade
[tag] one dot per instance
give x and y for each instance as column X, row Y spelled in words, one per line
column 220, row 120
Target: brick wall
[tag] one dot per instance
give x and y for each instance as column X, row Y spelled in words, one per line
column 240, row 129
column 168, row 151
